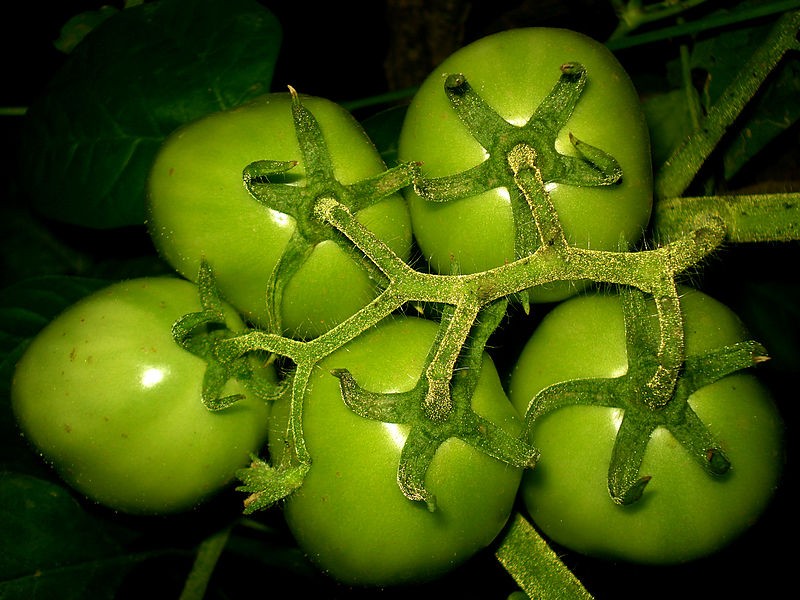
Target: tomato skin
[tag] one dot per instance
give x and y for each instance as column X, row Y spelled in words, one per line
column 513, row 71
column 350, row 516
column 684, row 513
column 198, row 206
column 106, row 396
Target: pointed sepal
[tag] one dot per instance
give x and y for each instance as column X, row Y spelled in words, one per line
column 266, row 485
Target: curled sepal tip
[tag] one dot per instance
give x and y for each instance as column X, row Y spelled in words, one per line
column 631, row 494
column 261, row 170
column 202, row 333
column 184, row 328
column 388, row 408
column 214, row 403
column 267, row 485
column 606, row 168
column 415, row 458
column 718, row 463
column 264, row 180
column 455, row 82
column 573, row 68
column 214, row 380
column 419, row 446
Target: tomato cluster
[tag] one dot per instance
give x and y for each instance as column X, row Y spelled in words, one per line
column 108, row 396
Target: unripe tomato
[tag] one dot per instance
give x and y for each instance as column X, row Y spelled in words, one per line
column 199, row 207
column 107, row 396
column 685, row 512
column 513, row 71
column 350, row 516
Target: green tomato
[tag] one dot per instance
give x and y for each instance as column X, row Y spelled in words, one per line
column 199, row 207
column 513, row 71
column 684, row 512
column 107, row 396
column 350, row 516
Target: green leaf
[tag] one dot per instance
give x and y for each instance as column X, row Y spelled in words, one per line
column 29, row 249
column 74, row 30
column 773, row 111
column 91, row 136
column 32, row 248
column 669, row 122
column 721, row 57
column 51, row 548
column 772, row 308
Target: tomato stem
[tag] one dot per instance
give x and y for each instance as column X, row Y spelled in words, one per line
column 535, row 567
column 747, row 217
column 208, row 554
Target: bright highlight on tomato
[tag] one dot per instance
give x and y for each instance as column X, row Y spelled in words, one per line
column 350, row 516
column 513, row 71
column 684, row 513
column 199, row 207
column 107, row 396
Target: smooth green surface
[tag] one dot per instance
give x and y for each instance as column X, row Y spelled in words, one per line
column 107, row 396
column 513, row 71
column 198, row 206
column 350, row 515
column 684, row 512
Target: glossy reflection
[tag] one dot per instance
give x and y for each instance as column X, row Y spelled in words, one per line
column 152, row 376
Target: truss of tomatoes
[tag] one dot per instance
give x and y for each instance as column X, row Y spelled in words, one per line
column 109, row 398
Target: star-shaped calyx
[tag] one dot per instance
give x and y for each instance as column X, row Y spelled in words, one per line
column 436, row 413
column 200, row 332
column 264, row 179
column 591, row 167
column 642, row 414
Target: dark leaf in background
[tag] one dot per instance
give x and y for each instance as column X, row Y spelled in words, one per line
column 51, row 547
column 91, row 136
column 29, row 249
column 74, row 30
column 383, row 129
column 772, row 114
column 669, row 123
column 774, row 110
column 772, row 309
column 715, row 59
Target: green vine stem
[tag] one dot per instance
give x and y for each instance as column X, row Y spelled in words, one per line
column 535, row 567
column 634, row 14
column 682, row 167
column 652, row 271
column 208, row 554
column 747, row 218
column 713, row 21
